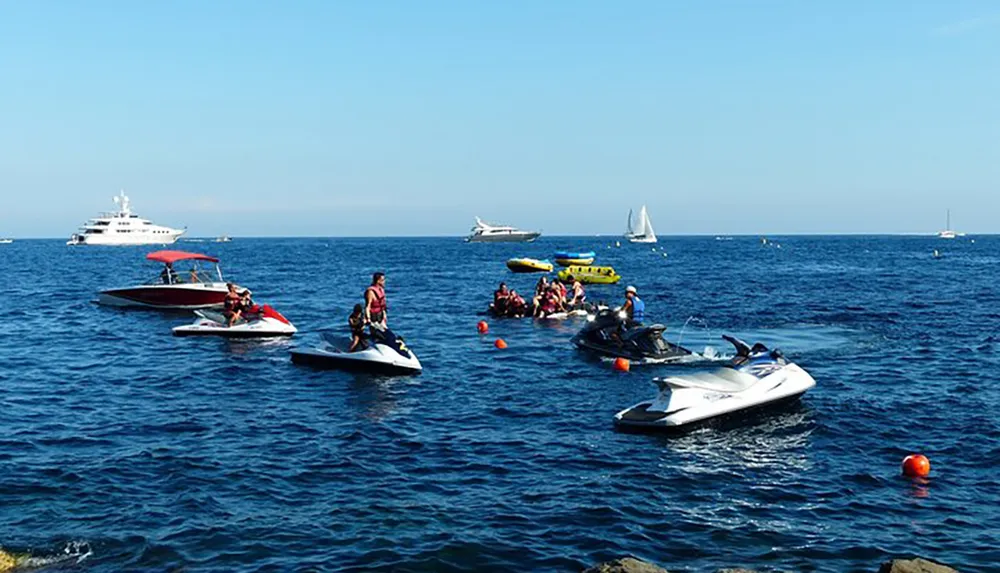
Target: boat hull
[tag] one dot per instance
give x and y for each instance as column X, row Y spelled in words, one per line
column 509, row 238
column 682, row 404
column 167, row 297
column 371, row 361
column 122, row 240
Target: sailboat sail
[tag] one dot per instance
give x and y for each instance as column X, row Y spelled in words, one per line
column 640, row 230
column 648, row 227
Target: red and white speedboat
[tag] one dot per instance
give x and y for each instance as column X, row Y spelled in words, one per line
column 199, row 285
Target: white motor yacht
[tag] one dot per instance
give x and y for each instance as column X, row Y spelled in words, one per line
column 123, row 227
column 486, row 233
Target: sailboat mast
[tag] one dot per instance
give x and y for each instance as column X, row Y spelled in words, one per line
column 948, row 221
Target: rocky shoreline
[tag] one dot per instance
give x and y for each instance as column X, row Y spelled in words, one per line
column 633, row 565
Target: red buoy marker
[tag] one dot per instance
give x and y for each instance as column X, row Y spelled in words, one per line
column 500, row 344
column 482, row 327
column 621, row 364
column 916, row 465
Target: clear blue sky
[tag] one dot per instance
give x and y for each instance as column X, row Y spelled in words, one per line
column 409, row 118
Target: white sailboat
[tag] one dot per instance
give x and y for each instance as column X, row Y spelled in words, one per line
column 640, row 230
column 948, row 233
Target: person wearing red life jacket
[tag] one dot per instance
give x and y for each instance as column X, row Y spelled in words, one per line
column 376, row 308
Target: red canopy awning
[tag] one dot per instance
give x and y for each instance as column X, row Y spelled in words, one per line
column 171, row 257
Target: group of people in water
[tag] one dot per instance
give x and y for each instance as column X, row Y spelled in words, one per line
column 552, row 297
column 549, row 298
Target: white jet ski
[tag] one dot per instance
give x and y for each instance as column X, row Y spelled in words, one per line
column 755, row 378
column 260, row 322
column 382, row 353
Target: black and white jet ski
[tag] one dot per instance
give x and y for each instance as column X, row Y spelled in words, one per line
column 259, row 322
column 383, row 353
column 608, row 335
column 755, row 378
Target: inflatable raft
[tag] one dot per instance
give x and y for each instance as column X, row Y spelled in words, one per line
column 590, row 275
column 529, row 266
column 569, row 258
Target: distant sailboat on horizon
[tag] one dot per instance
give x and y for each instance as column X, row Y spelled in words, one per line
column 640, row 230
column 948, row 233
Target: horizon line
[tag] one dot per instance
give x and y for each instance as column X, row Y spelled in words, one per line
column 212, row 238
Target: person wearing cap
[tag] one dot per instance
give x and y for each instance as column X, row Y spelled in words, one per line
column 634, row 308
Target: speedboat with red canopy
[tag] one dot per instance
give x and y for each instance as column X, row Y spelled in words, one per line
column 199, row 284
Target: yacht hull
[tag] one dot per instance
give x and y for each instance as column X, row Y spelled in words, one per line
column 511, row 238
column 116, row 240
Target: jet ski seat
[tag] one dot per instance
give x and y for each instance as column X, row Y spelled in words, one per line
column 721, row 380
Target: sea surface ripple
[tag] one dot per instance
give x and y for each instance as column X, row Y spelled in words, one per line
column 159, row 452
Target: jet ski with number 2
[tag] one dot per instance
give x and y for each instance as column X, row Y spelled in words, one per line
column 384, row 353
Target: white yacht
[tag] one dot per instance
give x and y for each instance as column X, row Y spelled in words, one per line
column 123, row 227
column 486, row 233
column 6, row 241
column 641, row 229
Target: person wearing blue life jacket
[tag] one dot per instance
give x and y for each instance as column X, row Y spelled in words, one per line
column 634, row 308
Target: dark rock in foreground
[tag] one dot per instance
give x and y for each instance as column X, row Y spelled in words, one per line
column 633, row 565
column 914, row 566
column 625, row 565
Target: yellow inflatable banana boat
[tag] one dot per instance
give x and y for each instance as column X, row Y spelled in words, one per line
column 590, row 275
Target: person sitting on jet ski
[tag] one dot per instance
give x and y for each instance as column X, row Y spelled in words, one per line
column 634, row 308
column 246, row 303
column 231, row 305
column 376, row 308
column 357, row 324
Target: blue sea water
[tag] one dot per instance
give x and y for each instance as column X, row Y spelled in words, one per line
column 152, row 452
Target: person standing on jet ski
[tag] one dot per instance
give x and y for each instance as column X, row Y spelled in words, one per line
column 376, row 308
column 634, row 308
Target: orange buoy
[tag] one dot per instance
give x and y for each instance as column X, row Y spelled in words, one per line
column 500, row 344
column 916, row 465
column 482, row 327
column 621, row 364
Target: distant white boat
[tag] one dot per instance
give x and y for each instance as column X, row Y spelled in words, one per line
column 6, row 241
column 224, row 239
column 486, row 233
column 948, row 233
column 641, row 229
column 123, row 227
